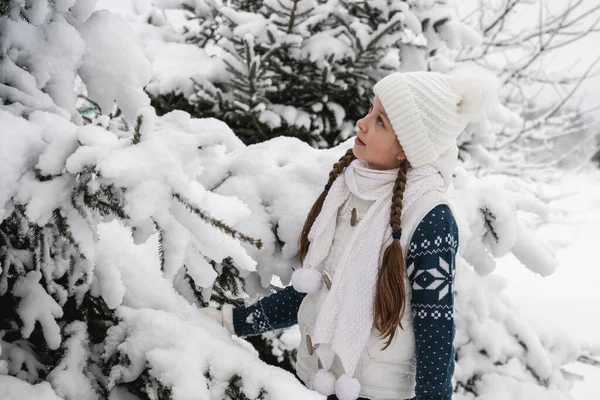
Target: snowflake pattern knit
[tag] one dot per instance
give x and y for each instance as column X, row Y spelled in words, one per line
column 430, row 269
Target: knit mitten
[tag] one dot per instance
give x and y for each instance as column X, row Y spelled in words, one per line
column 227, row 313
column 223, row 317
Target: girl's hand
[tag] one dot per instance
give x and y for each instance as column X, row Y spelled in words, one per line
column 223, row 317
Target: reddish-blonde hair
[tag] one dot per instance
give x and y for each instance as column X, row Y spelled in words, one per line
column 389, row 303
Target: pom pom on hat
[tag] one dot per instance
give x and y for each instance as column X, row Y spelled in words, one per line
column 347, row 388
column 306, row 280
column 478, row 89
column 324, row 382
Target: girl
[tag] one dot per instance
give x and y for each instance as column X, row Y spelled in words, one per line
column 374, row 297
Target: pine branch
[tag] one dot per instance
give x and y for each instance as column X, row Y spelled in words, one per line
column 229, row 278
column 63, row 228
column 77, row 196
column 5, row 8
column 107, row 200
column 92, row 108
column 161, row 251
column 35, row 235
column 184, row 285
column 219, row 224
column 148, row 387
column 292, row 16
column 489, row 218
column 137, row 135
column 234, row 390
column 77, row 200
column 41, row 177
column 594, row 362
column 270, row 350
column 5, row 11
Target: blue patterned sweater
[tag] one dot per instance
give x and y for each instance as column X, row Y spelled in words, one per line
column 430, row 269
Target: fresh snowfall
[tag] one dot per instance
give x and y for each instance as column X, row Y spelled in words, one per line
column 122, row 214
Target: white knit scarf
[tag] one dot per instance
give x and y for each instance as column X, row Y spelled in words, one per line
column 345, row 319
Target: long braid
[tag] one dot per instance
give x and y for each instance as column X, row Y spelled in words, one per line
column 337, row 169
column 390, row 294
column 398, row 198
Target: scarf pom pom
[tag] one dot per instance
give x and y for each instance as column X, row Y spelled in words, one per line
column 324, row 382
column 306, row 280
column 347, row 388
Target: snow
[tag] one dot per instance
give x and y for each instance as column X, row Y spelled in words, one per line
column 338, row 112
column 246, row 23
column 17, row 155
column 60, row 137
column 37, row 305
column 177, row 65
column 322, row 45
column 107, row 281
column 486, row 210
column 145, row 342
column 513, row 326
column 455, row 33
column 160, row 328
column 152, row 177
column 199, row 269
column 82, row 9
column 36, row 194
column 573, row 232
column 588, row 388
column 114, row 67
column 564, row 303
column 69, row 378
column 12, row 388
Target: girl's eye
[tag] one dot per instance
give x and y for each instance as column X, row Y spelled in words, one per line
column 380, row 121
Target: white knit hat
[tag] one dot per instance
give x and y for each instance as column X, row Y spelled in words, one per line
column 428, row 110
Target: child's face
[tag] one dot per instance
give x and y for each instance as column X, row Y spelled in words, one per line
column 376, row 142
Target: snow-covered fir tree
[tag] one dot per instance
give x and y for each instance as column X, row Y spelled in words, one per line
column 116, row 225
column 302, row 68
column 108, row 243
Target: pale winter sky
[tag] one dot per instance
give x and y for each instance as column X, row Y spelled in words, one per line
column 584, row 52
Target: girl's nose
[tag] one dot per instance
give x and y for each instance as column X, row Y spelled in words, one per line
column 362, row 124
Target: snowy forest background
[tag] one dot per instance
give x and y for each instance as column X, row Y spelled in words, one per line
column 158, row 156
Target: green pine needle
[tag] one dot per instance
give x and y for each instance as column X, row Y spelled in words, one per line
column 219, row 224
